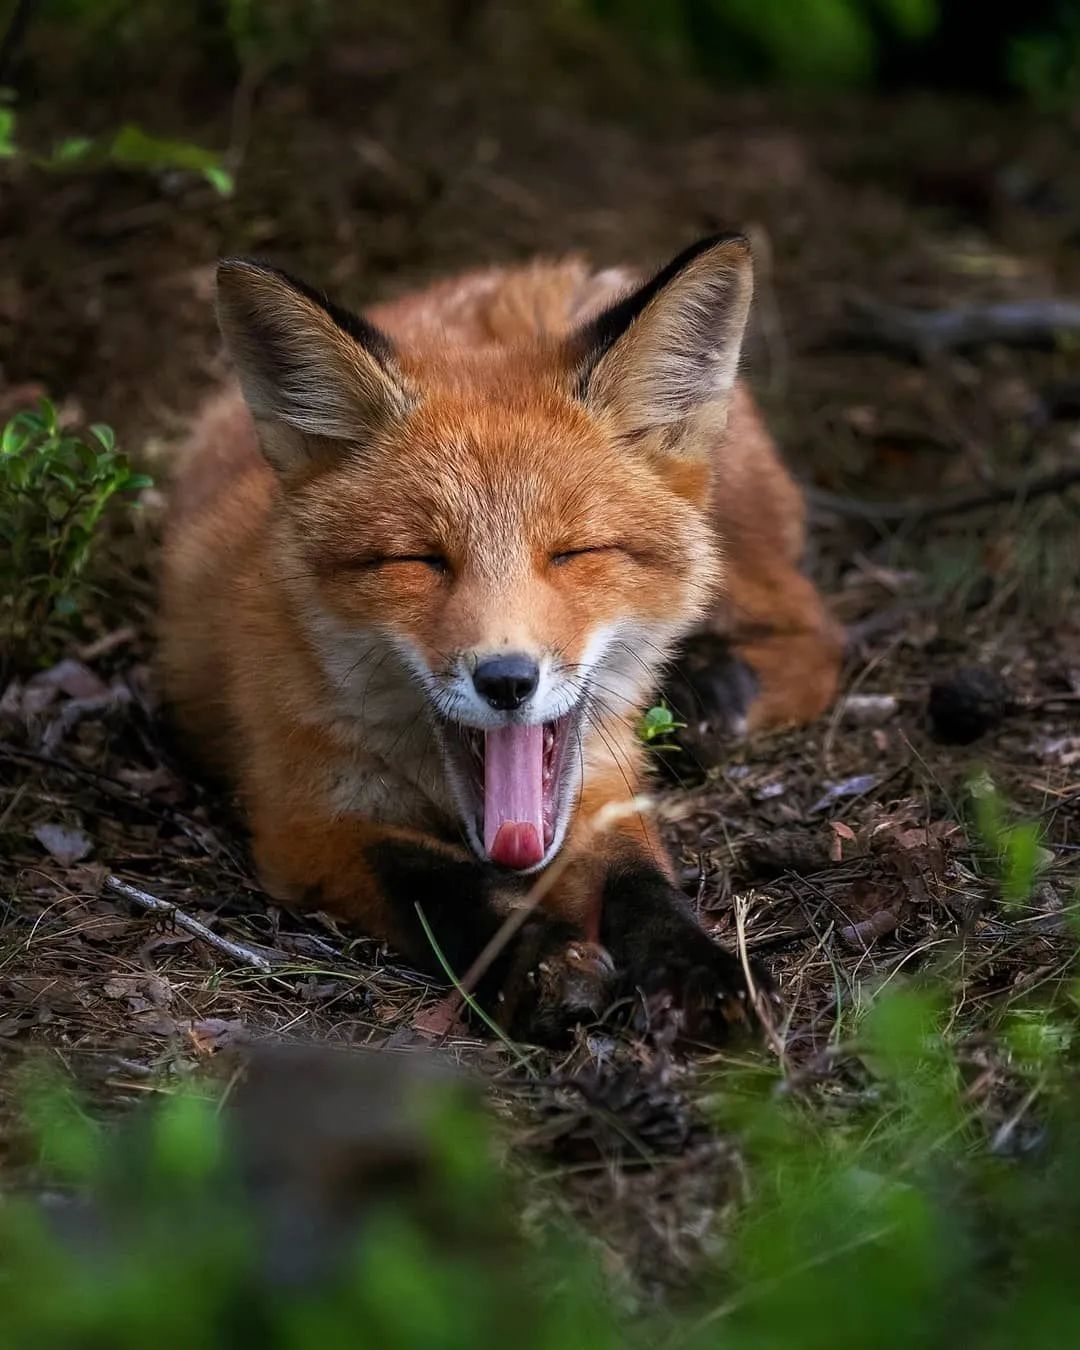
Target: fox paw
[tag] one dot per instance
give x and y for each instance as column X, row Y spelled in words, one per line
column 569, row 984
column 694, row 990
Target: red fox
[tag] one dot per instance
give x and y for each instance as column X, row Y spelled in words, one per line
column 423, row 571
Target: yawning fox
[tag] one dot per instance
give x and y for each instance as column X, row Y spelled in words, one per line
column 423, row 572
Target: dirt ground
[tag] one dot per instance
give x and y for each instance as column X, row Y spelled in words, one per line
column 843, row 850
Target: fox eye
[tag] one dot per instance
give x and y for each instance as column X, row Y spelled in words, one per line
column 565, row 555
column 435, row 561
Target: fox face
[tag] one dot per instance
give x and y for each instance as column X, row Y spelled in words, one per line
column 519, row 532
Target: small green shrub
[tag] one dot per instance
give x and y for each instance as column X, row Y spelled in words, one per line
column 55, row 488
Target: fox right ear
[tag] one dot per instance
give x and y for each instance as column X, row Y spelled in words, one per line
column 313, row 375
column 661, row 362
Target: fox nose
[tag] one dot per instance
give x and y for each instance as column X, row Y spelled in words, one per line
column 506, row 681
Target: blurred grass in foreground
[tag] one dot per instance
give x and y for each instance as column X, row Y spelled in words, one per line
column 880, row 1216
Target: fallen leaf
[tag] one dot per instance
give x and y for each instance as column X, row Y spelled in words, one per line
column 215, row 1033
column 440, row 1021
column 72, row 678
column 861, row 935
column 848, row 787
column 64, row 843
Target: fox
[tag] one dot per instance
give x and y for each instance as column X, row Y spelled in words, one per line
column 424, row 569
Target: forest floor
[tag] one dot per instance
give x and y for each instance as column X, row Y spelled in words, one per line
column 845, row 850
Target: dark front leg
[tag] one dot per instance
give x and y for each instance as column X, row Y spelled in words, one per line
column 542, row 982
column 661, row 951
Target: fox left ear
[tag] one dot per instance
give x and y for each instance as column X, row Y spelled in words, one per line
column 662, row 361
column 315, row 376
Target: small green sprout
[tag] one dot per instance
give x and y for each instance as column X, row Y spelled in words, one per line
column 656, row 727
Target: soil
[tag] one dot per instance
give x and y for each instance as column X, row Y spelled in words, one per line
column 842, row 855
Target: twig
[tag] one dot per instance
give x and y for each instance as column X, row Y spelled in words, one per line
column 926, row 332
column 245, row 956
column 917, row 512
column 757, row 998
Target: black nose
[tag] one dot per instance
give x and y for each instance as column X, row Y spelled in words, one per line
column 506, row 681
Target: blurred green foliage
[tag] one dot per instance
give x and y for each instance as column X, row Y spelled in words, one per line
column 840, row 43
column 890, row 1220
column 133, row 148
column 1013, row 848
column 811, row 42
column 1035, row 49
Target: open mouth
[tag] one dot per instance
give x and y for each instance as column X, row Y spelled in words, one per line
column 517, row 779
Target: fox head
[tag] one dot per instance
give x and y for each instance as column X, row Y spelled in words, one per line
column 521, row 530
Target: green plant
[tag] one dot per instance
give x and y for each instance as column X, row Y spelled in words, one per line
column 185, row 1242
column 129, row 148
column 133, row 148
column 879, row 1212
column 657, row 725
column 885, row 1220
column 55, row 488
column 8, row 146
column 1014, row 849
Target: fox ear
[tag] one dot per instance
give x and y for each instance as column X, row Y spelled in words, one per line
column 662, row 361
column 312, row 374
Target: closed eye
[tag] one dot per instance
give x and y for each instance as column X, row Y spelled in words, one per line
column 435, row 561
column 565, row 555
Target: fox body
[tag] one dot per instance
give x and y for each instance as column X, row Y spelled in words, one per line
column 423, row 571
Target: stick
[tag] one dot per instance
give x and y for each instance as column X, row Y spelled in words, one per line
column 917, row 512
column 758, row 1001
column 926, row 332
column 244, row 956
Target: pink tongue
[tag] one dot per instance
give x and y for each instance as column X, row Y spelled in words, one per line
column 514, row 795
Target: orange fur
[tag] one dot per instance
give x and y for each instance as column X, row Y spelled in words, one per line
column 305, row 666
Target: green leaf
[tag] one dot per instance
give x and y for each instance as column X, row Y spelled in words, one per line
column 72, row 150
column 133, row 147
column 104, row 434
column 8, row 148
column 15, row 438
column 220, row 179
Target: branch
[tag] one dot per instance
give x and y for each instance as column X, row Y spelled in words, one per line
column 916, row 512
column 245, row 956
column 926, row 332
